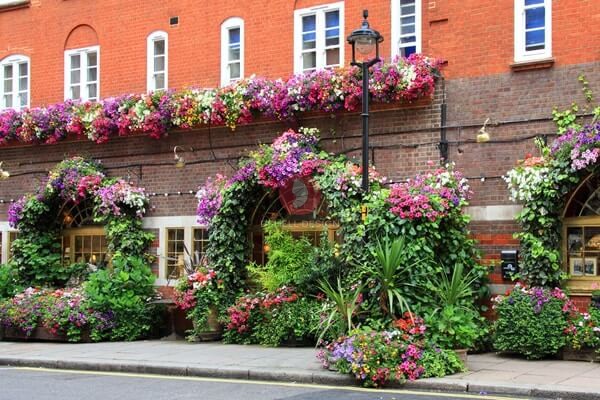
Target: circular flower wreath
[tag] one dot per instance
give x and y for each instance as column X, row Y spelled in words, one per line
column 542, row 184
column 433, row 200
column 116, row 204
column 155, row 113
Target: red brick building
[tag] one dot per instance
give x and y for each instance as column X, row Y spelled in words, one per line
column 506, row 61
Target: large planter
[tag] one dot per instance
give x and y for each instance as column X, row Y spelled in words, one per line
column 213, row 329
column 462, row 355
column 583, row 354
column 39, row 333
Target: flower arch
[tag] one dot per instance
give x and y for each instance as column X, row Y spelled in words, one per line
column 543, row 184
column 427, row 209
column 40, row 217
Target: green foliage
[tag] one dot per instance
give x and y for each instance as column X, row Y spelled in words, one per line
column 389, row 272
column 340, row 310
column 126, row 290
column 440, row 362
column 39, row 261
column 566, row 119
column 530, row 325
column 9, row 281
column 289, row 323
column 454, row 327
column 456, row 290
column 125, row 235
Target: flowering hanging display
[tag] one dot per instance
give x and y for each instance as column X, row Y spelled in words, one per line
column 541, row 184
column 153, row 114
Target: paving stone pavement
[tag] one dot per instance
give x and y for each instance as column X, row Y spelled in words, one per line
column 488, row 373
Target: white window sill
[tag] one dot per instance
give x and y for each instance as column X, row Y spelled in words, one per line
column 11, row 4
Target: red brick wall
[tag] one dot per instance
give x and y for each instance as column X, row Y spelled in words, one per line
column 476, row 38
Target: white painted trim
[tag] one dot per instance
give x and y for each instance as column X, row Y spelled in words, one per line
column 154, row 36
column 5, row 229
column 519, row 33
column 15, row 59
column 319, row 11
column 231, row 23
column 395, row 14
column 493, row 213
column 83, row 68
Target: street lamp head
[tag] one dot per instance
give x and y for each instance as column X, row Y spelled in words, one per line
column 364, row 40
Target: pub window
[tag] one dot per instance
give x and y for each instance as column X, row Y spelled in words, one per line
column 200, row 243
column 85, row 245
column 175, row 252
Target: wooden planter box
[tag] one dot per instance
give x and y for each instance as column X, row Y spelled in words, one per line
column 39, row 334
column 583, row 354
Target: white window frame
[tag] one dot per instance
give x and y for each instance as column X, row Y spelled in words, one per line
column 396, row 28
column 83, row 68
column 522, row 55
column 228, row 24
column 150, row 72
column 15, row 60
column 319, row 11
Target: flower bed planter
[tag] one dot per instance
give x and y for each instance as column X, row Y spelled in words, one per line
column 40, row 333
column 583, row 354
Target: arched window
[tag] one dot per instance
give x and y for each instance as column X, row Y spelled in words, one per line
column 14, row 82
column 158, row 61
column 82, row 240
column 581, row 236
column 232, row 50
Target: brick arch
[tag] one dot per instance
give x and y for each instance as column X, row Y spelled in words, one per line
column 81, row 36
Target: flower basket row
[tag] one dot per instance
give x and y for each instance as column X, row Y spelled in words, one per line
column 154, row 114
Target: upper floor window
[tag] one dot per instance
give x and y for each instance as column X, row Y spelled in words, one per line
column 232, row 50
column 82, row 75
column 14, row 82
column 406, row 27
column 533, row 29
column 318, row 41
column 157, row 52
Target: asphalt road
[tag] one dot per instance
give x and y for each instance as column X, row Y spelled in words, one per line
column 42, row 384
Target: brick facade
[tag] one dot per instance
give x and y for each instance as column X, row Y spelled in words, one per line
column 474, row 38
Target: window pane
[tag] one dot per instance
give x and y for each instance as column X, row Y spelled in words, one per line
column 407, row 29
column 8, row 100
column 234, row 70
column 8, row 71
column 407, row 20
column 234, row 35
column 92, row 59
column 92, row 74
column 534, row 40
column 309, row 23
column 159, row 47
column 75, row 92
column 75, row 76
column 406, row 10
column 234, row 53
column 332, row 19
column 534, row 17
column 75, row 61
column 333, row 56
column 406, row 2
column 8, row 85
column 23, row 84
column 309, row 60
column 332, row 41
column 408, row 39
column 92, row 91
column 159, row 81
column 531, row 2
column 159, row 63
column 23, row 99
column 23, row 69
column 309, row 41
column 407, row 51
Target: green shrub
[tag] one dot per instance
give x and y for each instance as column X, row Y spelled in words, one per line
column 454, row 327
column 9, row 281
column 127, row 291
column 531, row 322
column 440, row 362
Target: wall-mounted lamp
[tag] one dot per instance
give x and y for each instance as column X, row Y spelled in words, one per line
column 482, row 135
column 3, row 173
column 179, row 159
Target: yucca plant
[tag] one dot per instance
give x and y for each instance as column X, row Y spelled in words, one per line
column 454, row 290
column 391, row 273
column 341, row 309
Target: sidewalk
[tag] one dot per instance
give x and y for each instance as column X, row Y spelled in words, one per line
column 488, row 373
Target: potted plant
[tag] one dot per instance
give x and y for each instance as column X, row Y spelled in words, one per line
column 199, row 294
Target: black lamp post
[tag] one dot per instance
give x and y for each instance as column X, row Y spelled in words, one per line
column 365, row 40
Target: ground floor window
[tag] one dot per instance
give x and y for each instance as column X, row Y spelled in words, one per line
column 199, row 244
column 85, row 245
column 175, row 244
